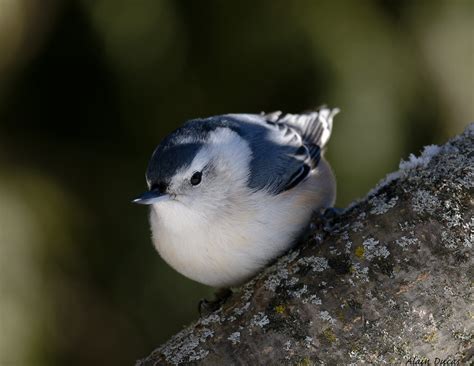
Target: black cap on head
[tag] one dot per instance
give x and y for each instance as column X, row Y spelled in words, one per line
column 173, row 152
column 167, row 159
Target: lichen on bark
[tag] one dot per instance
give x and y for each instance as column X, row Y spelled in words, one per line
column 389, row 280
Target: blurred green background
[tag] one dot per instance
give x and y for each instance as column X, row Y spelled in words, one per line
column 88, row 88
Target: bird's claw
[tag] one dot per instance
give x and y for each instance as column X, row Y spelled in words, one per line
column 206, row 307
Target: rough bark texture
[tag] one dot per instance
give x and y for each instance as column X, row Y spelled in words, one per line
column 387, row 281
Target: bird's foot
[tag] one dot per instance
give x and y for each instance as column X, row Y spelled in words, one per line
column 332, row 212
column 325, row 219
column 207, row 307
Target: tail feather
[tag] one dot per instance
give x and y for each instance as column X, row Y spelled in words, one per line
column 314, row 127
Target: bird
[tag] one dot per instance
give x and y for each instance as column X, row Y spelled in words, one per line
column 228, row 194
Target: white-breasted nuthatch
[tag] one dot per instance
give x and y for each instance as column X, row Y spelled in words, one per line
column 230, row 193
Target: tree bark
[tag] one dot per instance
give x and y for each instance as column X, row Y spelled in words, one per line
column 387, row 281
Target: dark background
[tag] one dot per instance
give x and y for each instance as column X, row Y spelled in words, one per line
column 87, row 90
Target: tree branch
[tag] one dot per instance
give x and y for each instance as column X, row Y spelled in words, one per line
column 387, row 281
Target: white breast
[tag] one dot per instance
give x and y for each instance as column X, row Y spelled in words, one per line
column 227, row 250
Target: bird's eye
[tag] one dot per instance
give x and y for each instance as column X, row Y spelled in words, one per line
column 196, row 178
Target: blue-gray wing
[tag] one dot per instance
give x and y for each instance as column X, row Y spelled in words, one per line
column 285, row 148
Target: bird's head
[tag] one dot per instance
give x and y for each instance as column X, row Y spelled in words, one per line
column 199, row 168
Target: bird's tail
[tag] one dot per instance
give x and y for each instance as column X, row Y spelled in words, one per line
column 314, row 126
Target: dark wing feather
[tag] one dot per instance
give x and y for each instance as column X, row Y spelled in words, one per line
column 282, row 158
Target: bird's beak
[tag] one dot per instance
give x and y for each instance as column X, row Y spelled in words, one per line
column 151, row 197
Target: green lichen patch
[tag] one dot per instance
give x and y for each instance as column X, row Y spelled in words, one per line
column 280, row 309
column 328, row 335
column 304, row 362
column 359, row 251
column 431, row 337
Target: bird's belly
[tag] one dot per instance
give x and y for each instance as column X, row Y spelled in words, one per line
column 209, row 257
